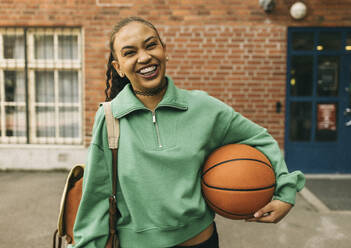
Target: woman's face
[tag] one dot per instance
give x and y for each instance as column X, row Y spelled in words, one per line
column 141, row 57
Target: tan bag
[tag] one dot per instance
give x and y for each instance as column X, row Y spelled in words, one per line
column 72, row 192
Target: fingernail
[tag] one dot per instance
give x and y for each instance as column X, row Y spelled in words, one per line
column 256, row 215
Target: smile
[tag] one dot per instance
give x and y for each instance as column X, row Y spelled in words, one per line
column 149, row 71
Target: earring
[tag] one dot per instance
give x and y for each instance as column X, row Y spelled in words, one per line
column 167, row 58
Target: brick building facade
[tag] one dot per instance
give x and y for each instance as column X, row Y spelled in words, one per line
column 232, row 49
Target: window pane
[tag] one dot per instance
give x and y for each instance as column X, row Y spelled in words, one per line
column 44, row 86
column 326, row 122
column 328, row 76
column 15, row 121
column 13, row 46
column 300, row 121
column 14, row 86
column 68, row 86
column 301, row 80
column 68, row 47
column 302, row 40
column 69, row 122
column 45, row 118
column 44, row 46
column 329, row 41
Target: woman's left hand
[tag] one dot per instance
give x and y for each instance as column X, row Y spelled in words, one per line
column 273, row 212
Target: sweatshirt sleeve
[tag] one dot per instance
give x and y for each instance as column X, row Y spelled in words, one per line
column 242, row 130
column 91, row 227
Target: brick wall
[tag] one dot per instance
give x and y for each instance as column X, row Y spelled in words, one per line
column 230, row 48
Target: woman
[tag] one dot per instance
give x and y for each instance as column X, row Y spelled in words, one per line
column 166, row 133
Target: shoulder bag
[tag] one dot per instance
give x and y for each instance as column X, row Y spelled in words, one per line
column 72, row 192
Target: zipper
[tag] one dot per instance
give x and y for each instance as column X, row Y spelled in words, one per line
column 157, row 130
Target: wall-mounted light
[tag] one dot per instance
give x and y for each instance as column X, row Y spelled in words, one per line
column 278, row 107
column 267, row 5
column 298, row 10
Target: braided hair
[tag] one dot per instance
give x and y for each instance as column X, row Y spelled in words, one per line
column 115, row 83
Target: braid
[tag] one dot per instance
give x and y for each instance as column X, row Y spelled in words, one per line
column 108, row 78
column 114, row 83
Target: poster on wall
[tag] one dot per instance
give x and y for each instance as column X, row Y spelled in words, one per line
column 326, row 117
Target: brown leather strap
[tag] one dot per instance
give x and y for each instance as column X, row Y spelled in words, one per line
column 56, row 236
column 113, row 203
column 113, row 211
column 112, row 125
column 114, row 171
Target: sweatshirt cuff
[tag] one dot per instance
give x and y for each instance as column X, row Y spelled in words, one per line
column 288, row 185
column 286, row 194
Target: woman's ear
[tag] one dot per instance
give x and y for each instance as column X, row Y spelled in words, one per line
column 165, row 51
column 117, row 67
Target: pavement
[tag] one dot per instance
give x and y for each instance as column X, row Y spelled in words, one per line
column 333, row 191
column 29, row 203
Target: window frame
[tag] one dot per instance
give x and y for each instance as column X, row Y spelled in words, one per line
column 30, row 65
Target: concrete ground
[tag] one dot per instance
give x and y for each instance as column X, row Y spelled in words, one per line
column 29, row 204
column 334, row 192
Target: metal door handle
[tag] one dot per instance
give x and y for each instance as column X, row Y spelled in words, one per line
column 347, row 111
column 348, row 124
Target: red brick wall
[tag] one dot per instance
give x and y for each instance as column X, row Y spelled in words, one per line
column 242, row 65
column 230, row 48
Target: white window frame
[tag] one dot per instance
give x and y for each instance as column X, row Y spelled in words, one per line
column 9, row 65
column 33, row 65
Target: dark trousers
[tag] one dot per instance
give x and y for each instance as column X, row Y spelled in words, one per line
column 212, row 242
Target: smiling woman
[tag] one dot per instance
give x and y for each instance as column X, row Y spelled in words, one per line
column 138, row 55
column 166, row 135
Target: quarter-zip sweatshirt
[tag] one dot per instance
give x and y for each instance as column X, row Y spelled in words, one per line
column 160, row 157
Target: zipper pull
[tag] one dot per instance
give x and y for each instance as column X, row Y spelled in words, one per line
column 156, row 128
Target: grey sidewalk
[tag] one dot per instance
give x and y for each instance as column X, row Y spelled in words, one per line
column 29, row 206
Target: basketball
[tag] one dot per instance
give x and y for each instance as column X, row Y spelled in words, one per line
column 237, row 180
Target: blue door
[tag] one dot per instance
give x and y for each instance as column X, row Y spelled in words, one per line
column 318, row 118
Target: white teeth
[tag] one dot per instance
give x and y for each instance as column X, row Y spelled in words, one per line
column 148, row 69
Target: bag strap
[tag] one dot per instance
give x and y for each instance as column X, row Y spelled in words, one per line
column 112, row 125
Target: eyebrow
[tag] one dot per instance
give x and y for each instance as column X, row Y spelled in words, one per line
column 151, row 37
column 145, row 41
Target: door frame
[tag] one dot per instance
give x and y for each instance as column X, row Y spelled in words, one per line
column 344, row 55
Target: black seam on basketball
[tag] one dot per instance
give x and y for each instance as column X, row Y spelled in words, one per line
column 229, row 189
column 225, row 211
column 236, row 159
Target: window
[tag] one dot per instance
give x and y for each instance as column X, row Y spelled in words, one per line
column 40, row 85
column 315, row 87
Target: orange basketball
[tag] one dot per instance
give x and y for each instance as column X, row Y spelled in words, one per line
column 237, row 180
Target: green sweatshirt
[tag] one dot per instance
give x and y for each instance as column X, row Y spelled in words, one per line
column 159, row 165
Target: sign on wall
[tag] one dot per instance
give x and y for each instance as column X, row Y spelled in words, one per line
column 326, row 117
